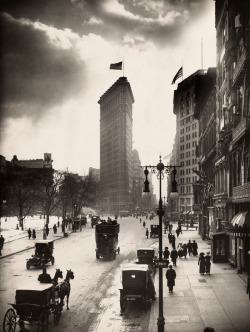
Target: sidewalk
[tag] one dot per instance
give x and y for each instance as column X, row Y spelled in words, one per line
column 17, row 240
column 218, row 300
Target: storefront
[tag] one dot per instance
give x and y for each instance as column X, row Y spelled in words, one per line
column 239, row 241
column 219, row 247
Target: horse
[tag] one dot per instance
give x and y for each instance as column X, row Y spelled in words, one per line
column 64, row 287
column 58, row 274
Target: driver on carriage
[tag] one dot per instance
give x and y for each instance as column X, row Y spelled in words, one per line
column 44, row 277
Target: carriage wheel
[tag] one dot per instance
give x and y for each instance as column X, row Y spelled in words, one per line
column 52, row 260
column 9, row 321
column 43, row 321
column 57, row 312
column 28, row 265
column 123, row 301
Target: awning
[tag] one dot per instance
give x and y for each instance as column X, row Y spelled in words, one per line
column 241, row 218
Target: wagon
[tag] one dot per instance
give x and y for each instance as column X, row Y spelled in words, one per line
column 43, row 254
column 137, row 285
column 33, row 306
column 76, row 225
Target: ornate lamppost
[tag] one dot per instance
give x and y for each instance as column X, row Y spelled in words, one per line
column 160, row 169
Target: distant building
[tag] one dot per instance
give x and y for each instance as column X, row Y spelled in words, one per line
column 116, row 170
column 46, row 162
column 95, row 172
column 187, row 133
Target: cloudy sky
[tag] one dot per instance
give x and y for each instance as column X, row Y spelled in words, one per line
column 55, row 66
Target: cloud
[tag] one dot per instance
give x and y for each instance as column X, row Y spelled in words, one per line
column 40, row 65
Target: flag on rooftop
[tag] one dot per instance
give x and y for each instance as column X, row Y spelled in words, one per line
column 116, row 66
column 178, row 75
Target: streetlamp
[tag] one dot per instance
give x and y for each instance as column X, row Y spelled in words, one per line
column 160, row 168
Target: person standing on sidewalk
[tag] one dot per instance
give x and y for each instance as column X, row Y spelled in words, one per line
column 201, row 262
column 174, row 256
column 189, row 247
column 248, row 286
column 195, row 248
column 170, row 275
column 147, row 233
column 34, row 234
column 173, row 241
column 207, row 263
column 1, row 244
column 29, row 233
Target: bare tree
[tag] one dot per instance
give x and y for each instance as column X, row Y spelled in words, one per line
column 21, row 193
column 48, row 186
column 78, row 192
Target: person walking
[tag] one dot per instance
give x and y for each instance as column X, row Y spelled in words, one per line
column 207, row 263
column 195, row 248
column 174, row 256
column 201, row 262
column 34, row 234
column 147, row 233
column 144, row 224
column 173, row 241
column 189, row 247
column 1, row 243
column 55, row 229
column 170, row 276
column 29, row 233
column 47, row 229
column 166, row 253
column 170, row 238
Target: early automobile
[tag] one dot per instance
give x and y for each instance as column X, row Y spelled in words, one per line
column 146, row 256
column 136, row 285
column 43, row 254
column 33, row 306
column 94, row 220
column 154, row 230
column 106, row 236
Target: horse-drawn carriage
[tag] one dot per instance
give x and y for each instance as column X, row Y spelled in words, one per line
column 137, row 285
column 94, row 220
column 106, row 235
column 36, row 302
column 43, row 254
column 33, row 305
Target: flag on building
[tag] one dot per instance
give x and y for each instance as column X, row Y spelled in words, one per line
column 116, row 66
column 178, row 75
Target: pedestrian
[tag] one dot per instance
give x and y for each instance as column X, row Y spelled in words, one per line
column 207, row 263
column 29, row 233
column 201, row 262
column 58, row 223
column 1, row 243
column 173, row 241
column 170, row 238
column 166, row 253
column 47, row 230
column 34, row 234
column 189, row 247
column 170, row 275
column 248, row 286
column 177, row 231
column 147, row 233
column 184, row 247
column 174, row 256
column 55, row 229
column 195, row 248
column 144, row 224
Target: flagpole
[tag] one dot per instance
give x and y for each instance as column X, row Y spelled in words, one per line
column 201, row 53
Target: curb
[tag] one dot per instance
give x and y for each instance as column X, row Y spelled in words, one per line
column 17, row 252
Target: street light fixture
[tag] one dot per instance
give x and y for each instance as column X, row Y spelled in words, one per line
column 159, row 169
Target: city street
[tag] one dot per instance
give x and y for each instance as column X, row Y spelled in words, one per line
column 217, row 300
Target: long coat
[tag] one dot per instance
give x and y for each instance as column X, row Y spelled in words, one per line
column 171, row 275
